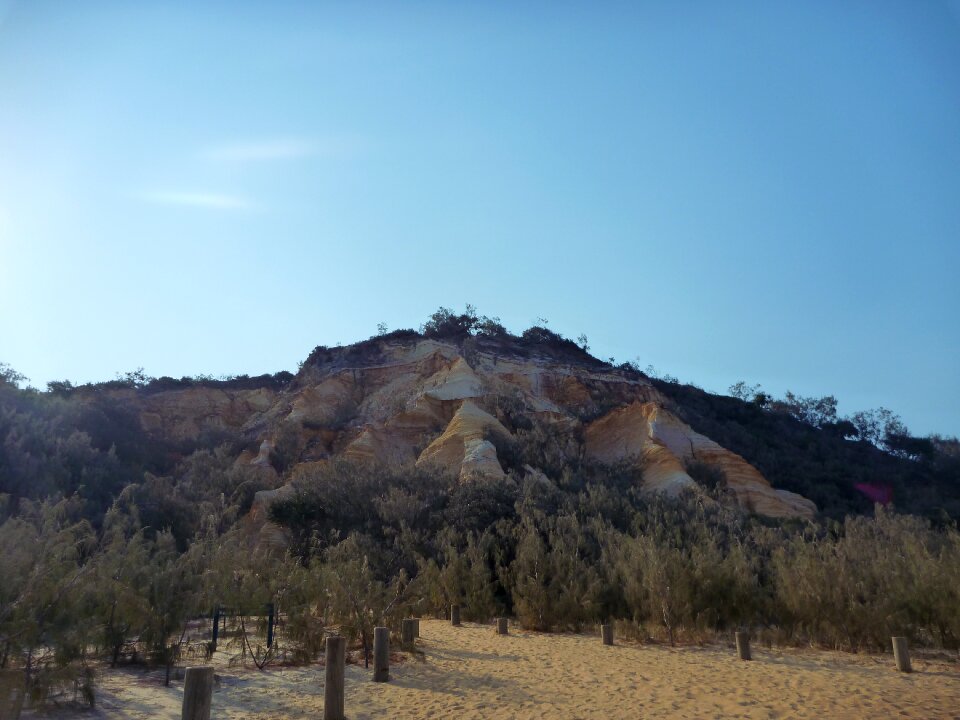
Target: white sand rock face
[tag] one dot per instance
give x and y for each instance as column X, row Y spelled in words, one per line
column 458, row 382
column 464, row 434
column 480, row 461
column 405, row 401
column 263, row 455
column 270, row 534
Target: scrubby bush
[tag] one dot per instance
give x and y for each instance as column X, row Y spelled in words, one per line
column 372, row 545
column 490, row 327
column 446, row 324
column 554, row 579
column 46, row 566
column 869, row 579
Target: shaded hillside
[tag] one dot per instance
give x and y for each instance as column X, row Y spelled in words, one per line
column 821, row 464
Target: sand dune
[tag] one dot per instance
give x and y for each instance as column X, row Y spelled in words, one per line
column 470, row 672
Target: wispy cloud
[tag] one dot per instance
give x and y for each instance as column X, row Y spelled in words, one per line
column 290, row 148
column 210, row 201
column 264, row 150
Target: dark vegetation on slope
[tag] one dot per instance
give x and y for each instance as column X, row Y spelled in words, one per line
column 824, row 464
column 89, row 446
column 137, row 380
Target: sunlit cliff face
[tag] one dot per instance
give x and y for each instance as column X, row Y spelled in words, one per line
column 452, row 405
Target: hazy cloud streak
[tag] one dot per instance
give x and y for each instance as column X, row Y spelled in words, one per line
column 271, row 149
column 212, row 201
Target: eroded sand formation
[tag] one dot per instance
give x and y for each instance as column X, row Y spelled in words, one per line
column 421, row 401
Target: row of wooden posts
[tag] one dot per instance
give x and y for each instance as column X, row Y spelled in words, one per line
column 198, row 681
column 901, row 652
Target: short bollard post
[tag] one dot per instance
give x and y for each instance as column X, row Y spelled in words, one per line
column 743, row 645
column 381, row 654
column 216, row 629
column 454, row 615
column 270, row 620
column 333, row 680
column 901, row 654
column 501, row 626
column 416, row 627
column 606, row 633
column 406, row 634
column 197, row 693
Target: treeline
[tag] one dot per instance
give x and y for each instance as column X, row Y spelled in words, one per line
column 139, row 380
column 590, row 547
column 369, row 545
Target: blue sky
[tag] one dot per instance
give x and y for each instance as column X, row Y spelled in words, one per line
column 725, row 190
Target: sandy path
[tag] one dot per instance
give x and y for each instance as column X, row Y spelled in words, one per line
column 470, row 672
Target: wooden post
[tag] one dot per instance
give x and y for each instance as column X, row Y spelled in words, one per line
column 501, row 626
column 197, row 693
column 381, row 654
column 406, row 634
column 333, row 681
column 416, row 627
column 743, row 645
column 455, row 615
column 901, row 654
column 269, row 625
column 216, row 629
column 169, row 659
column 606, row 633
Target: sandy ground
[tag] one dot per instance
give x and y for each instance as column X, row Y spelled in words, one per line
column 470, row 672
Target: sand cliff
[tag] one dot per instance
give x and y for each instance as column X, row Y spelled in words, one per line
column 450, row 404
